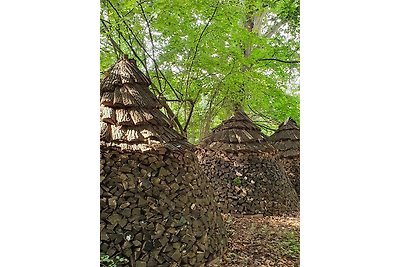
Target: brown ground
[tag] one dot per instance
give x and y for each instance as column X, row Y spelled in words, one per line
column 269, row 241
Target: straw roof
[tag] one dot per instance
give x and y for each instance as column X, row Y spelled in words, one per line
column 238, row 133
column 129, row 113
column 287, row 138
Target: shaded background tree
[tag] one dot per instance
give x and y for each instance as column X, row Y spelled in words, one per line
column 204, row 57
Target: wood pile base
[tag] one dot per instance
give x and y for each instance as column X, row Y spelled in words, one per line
column 158, row 209
column 249, row 183
column 292, row 170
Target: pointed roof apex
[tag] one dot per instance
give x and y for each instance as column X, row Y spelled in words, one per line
column 289, row 120
column 238, row 108
column 238, row 133
column 288, row 124
column 287, row 138
column 130, row 117
column 125, row 71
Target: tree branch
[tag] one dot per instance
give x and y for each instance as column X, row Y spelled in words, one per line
column 170, row 113
column 173, row 118
column 263, row 126
column 198, row 43
column 280, row 60
column 151, row 40
column 144, row 50
column 274, row 29
column 267, row 119
column 192, row 103
column 116, row 47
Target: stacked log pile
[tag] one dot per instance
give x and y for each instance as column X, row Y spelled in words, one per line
column 157, row 207
column 286, row 140
column 243, row 171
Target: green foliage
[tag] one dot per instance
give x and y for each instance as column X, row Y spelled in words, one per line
column 106, row 261
column 200, row 55
column 292, row 244
column 237, row 181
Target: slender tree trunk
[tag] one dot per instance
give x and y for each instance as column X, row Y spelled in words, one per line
column 206, row 128
column 252, row 24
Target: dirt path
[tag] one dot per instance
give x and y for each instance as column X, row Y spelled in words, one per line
column 262, row 241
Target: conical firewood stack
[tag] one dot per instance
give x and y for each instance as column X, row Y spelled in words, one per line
column 157, row 208
column 286, row 140
column 243, row 171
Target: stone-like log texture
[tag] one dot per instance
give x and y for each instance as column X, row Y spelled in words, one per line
column 157, row 207
column 286, row 140
column 243, row 171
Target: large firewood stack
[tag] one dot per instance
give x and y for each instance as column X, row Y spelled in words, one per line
column 157, row 207
column 286, row 140
column 243, row 171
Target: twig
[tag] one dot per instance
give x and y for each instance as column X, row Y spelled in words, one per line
column 189, row 116
column 280, row 60
column 173, row 118
column 170, row 113
column 198, row 43
column 267, row 119
column 264, row 126
column 151, row 40
column 116, row 47
column 144, row 49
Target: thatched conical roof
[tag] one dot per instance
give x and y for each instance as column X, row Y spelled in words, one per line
column 243, row 171
column 156, row 206
column 130, row 115
column 286, row 139
column 238, row 133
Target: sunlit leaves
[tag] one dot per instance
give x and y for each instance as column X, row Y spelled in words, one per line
column 213, row 71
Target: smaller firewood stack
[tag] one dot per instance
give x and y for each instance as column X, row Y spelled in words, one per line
column 286, row 140
column 243, row 171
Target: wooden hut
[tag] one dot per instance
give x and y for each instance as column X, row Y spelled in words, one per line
column 243, row 171
column 157, row 208
column 286, row 140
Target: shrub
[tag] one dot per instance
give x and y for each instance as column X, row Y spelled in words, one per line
column 237, row 181
column 106, row 261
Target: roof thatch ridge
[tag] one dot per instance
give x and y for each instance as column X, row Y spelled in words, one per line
column 286, row 138
column 286, row 130
column 238, row 133
column 129, row 112
column 289, row 123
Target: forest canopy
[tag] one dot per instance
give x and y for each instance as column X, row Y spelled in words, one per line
column 205, row 57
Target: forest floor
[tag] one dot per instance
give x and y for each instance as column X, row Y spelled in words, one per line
column 269, row 241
